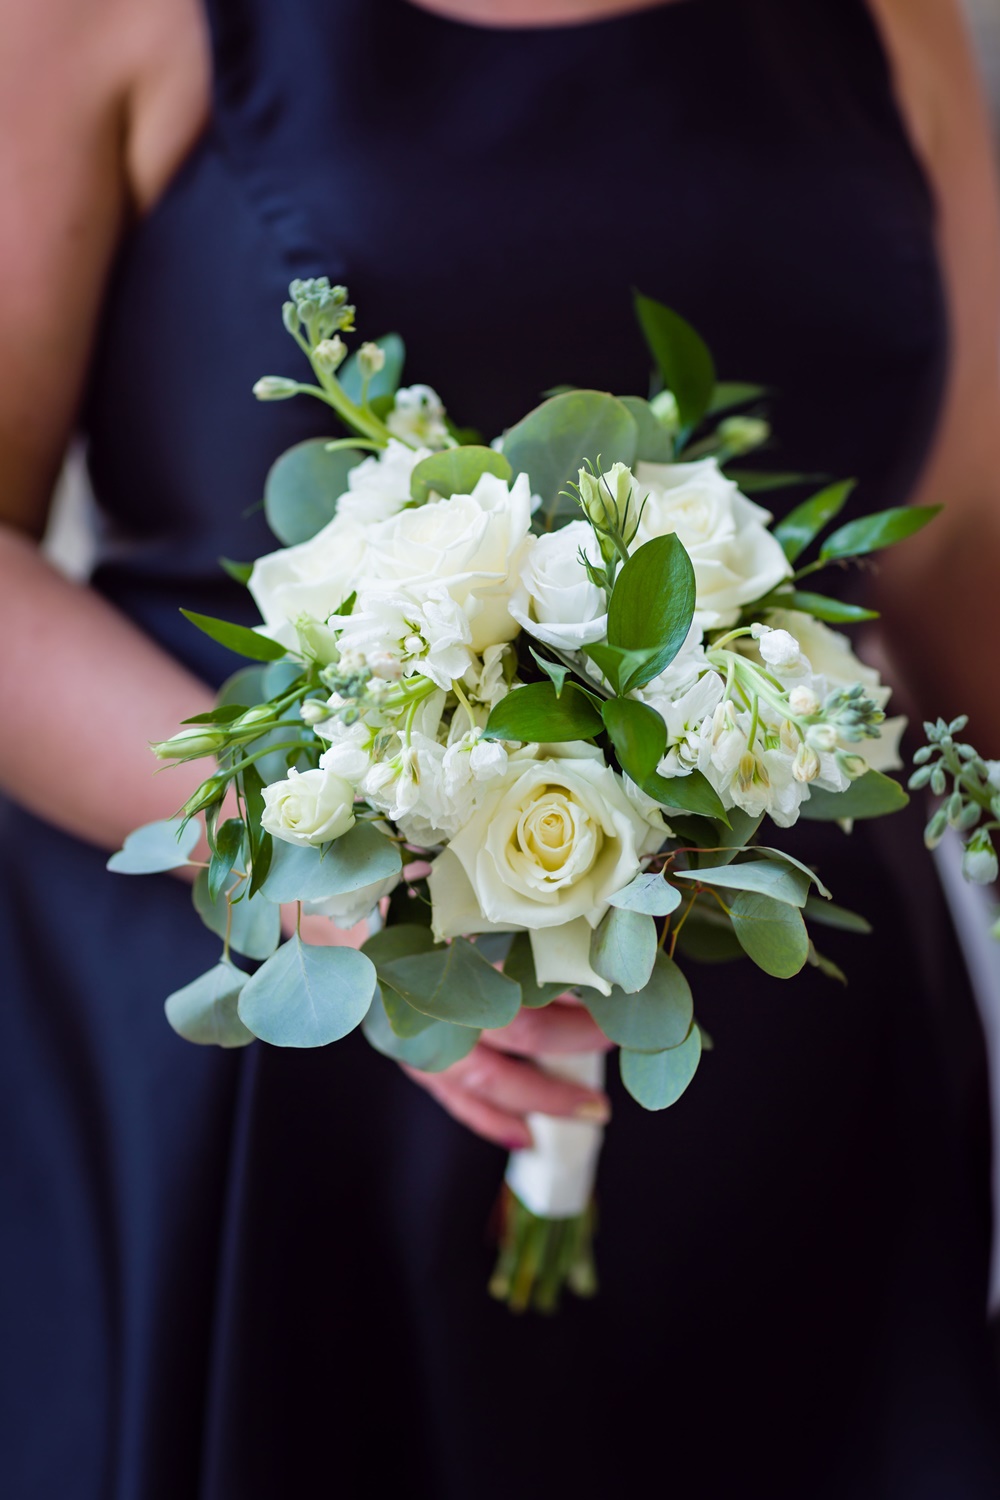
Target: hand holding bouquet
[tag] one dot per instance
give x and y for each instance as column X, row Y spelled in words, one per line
column 527, row 706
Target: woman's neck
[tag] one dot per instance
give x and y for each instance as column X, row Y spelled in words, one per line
column 499, row 13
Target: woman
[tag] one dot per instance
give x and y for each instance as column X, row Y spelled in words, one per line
column 245, row 1276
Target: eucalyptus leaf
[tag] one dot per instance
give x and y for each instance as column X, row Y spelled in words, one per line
column 648, row 893
column 872, row 533
column 871, row 796
column 432, row 1050
column 728, row 841
column 307, row 996
column 404, row 1020
column 552, row 443
column 681, row 355
column 362, row 856
column 652, row 605
column 303, row 487
column 398, row 941
column 204, row 1012
column 386, row 381
column 828, row 914
column 154, row 847
column 623, row 949
column 770, row 932
column 789, row 859
column 255, row 925
column 236, row 637
column 708, row 937
column 456, row 471
column 758, row 481
column 655, row 444
column 807, row 520
column 520, row 966
column 658, row 1079
column 538, row 712
column 454, row 983
column 653, row 1018
column 783, row 883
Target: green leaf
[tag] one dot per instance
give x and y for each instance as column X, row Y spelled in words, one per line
column 618, row 665
column 362, row 856
column 726, row 842
column 653, row 1018
column 398, row 941
column 261, row 843
column 833, row 611
column 307, row 997
column 789, row 859
column 780, row 881
column 156, row 846
column 255, row 927
column 658, row 1079
column 708, row 937
column 648, row 893
column 638, row 734
column 238, row 571
column 871, row 796
column 826, row 966
column 404, row 1020
column 872, row 533
column 730, row 393
column 681, row 355
column 236, row 637
column 456, row 471
column 520, row 966
column 757, row 481
column 228, row 848
column 552, row 442
column 556, row 673
column 537, row 713
column 807, row 520
column 623, row 949
column 652, row 605
column 692, row 793
column 222, row 714
column 432, row 1050
column 455, row 983
column 770, row 932
column 828, row 914
column 303, row 486
column 205, row 1012
column 656, row 443
column 386, row 382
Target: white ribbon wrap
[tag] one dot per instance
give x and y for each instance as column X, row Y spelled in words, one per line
column 555, row 1177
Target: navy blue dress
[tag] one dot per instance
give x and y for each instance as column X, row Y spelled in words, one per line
column 236, row 1277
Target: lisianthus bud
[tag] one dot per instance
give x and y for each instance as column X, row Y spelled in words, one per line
column 607, row 498
column 803, row 702
column 805, row 766
column 252, row 719
column 275, row 388
column 741, row 434
column 314, row 711
column 317, row 640
column 196, row 739
column 210, row 792
column 666, row 410
column 979, row 861
column 371, row 359
column 329, row 354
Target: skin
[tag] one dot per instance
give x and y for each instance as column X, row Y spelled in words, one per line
column 100, row 101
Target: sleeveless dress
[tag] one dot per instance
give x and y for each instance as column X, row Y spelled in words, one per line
column 227, row 1277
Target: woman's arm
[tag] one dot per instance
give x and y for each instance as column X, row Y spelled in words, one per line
column 941, row 590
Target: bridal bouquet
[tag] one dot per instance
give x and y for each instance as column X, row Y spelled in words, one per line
column 537, row 709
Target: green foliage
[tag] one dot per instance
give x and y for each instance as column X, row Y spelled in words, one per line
column 783, row 883
column 871, row 796
column 771, row 932
column 303, row 486
column 724, row 841
column 623, row 949
column 872, row 533
column 707, row 935
column 307, row 997
column 261, row 844
column 386, row 947
column 682, row 357
column 638, row 734
column 538, row 712
column 456, row 471
column 236, row 637
column 358, row 858
column 519, row 965
column 204, row 1011
column 554, row 671
column 783, row 857
column 832, row 611
column 653, row 1018
column 650, row 894
column 239, row 572
column 652, row 605
column 655, row 444
column 385, row 382
column 164, row 845
column 807, row 520
column 227, row 848
column 828, row 914
column 552, row 442
column 658, row 1079
column 255, row 925
column 730, row 393
column 432, row 1050
column 692, row 793
column 759, row 481
column 454, row 983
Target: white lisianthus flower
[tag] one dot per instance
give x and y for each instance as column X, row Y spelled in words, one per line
column 553, row 839
column 379, row 487
column 555, row 600
column 470, row 544
column 313, row 578
column 736, row 559
column 352, row 907
column 430, row 635
column 309, row 807
column 417, row 417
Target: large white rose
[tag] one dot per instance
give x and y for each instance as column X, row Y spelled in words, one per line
column 379, row 487
column 554, row 600
column 313, row 578
column 735, row 558
column 473, row 544
column 309, row 807
column 830, row 656
column 543, row 852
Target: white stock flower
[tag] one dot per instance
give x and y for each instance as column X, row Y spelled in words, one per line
column 779, row 649
column 349, row 753
column 547, row 846
column 429, row 635
column 313, row 578
column 417, row 417
column 555, row 600
column 757, row 781
column 735, row 557
column 685, row 718
column 308, row 807
column 471, row 544
column 379, row 487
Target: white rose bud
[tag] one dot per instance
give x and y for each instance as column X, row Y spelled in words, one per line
column 979, row 861
column 310, row 807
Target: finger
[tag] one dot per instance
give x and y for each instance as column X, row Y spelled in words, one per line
column 495, row 1125
column 555, row 1028
column 520, row 1088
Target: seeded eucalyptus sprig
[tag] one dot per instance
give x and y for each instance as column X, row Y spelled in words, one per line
column 975, row 794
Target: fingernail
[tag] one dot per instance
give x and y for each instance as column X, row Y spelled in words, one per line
column 518, row 1143
column 594, row 1111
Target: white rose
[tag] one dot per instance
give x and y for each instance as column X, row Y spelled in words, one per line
column 554, row 600
column 379, row 487
column 310, row 807
column 353, row 906
column 313, row 578
column 543, row 852
column 735, row 557
column 473, row 544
